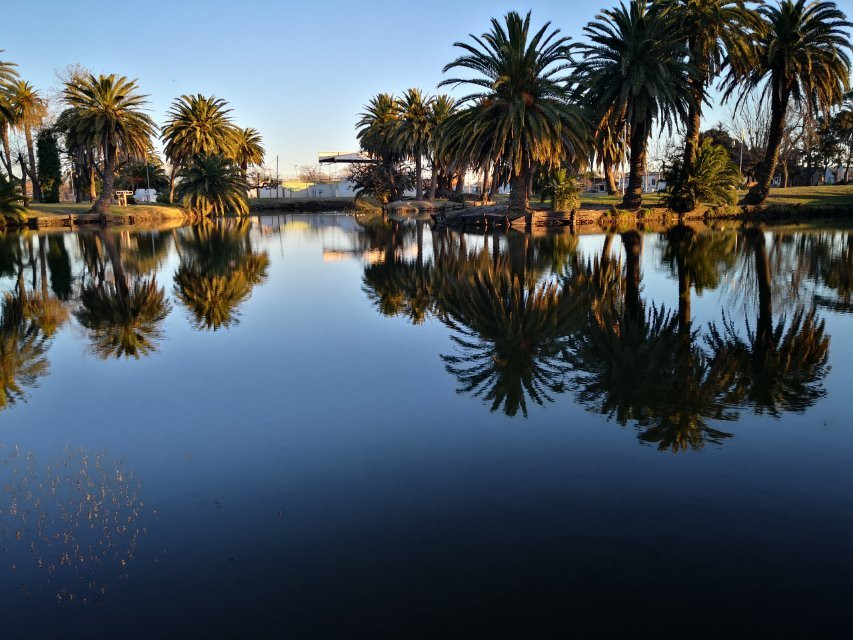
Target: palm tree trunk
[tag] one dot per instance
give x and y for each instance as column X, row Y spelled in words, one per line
column 484, row 191
column 460, row 183
column 7, row 148
column 518, row 185
column 633, row 242
column 419, row 178
column 433, row 183
column 610, row 178
column 764, row 326
column 634, row 193
column 23, row 164
column 779, row 106
column 694, row 113
column 43, row 266
column 172, row 172
column 34, row 176
column 102, row 204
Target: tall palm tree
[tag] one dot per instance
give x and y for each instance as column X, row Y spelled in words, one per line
column 519, row 112
column 8, row 78
column 413, row 132
column 30, row 109
column 212, row 184
column 108, row 113
column 248, row 148
column 802, row 55
column 376, row 132
column 718, row 33
column 442, row 107
column 196, row 125
column 635, row 63
column 609, row 146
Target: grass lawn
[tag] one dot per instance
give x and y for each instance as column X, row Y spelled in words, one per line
column 832, row 195
column 823, row 195
column 41, row 210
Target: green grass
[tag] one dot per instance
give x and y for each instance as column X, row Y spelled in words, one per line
column 833, row 195
column 822, row 196
column 41, row 210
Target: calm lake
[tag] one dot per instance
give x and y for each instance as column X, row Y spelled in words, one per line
column 328, row 426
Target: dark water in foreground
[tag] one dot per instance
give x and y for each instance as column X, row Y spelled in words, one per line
column 323, row 427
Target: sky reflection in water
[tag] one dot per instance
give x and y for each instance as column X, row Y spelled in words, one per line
column 312, row 423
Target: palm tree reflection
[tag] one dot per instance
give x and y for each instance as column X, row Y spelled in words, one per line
column 781, row 365
column 23, row 351
column 218, row 270
column 124, row 315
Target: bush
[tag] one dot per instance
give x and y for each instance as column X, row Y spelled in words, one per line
column 131, row 200
column 712, row 178
column 564, row 191
column 379, row 181
column 163, row 197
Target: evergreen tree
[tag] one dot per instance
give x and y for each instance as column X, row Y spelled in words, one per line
column 50, row 168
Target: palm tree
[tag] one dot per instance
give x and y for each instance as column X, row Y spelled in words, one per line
column 8, row 78
column 196, row 125
column 248, row 148
column 108, row 115
column 213, row 184
column 413, row 132
column 11, row 200
column 29, row 110
column 609, row 146
column 801, row 56
column 442, row 107
column 83, row 154
column 636, row 65
column 519, row 112
column 711, row 177
column 142, row 174
column 376, row 132
column 718, row 33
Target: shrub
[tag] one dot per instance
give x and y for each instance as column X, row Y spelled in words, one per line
column 712, row 178
column 564, row 191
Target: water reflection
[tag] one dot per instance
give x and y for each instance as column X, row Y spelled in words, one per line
column 70, row 527
column 533, row 319
column 123, row 314
column 218, row 270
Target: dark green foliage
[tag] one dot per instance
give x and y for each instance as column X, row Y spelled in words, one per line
column 49, row 166
column 712, row 178
column 380, row 180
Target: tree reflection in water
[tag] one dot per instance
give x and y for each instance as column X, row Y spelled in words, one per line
column 218, row 270
column 780, row 365
column 531, row 319
column 124, row 315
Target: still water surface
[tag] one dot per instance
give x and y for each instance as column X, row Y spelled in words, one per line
column 325, row 426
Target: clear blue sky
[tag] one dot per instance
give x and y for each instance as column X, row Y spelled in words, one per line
column 299, row 71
